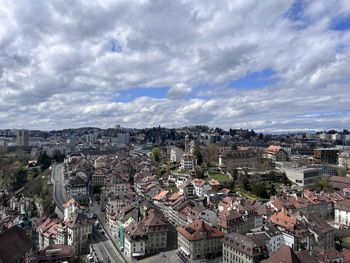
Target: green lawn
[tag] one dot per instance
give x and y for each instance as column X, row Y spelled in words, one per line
column 220, row 177
column 172, row 188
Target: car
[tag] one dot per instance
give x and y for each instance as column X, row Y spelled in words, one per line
column 90, row 258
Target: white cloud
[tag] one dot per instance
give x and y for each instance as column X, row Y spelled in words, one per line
column 58, row 68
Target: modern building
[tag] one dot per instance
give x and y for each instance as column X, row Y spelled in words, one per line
column 326, row 155
column 303, row 176
column 199, row 240
column 22, row 137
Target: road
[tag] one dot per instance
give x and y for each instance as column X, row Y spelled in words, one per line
column 96, row 209
column 104, row 248
column 57, row 175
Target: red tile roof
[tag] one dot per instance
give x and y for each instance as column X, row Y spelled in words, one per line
column 199, row 230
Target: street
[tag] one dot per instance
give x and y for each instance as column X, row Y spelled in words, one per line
column 58, row 185
column 105, row 241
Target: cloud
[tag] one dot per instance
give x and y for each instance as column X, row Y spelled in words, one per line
column 62, row 64
column 179, row 90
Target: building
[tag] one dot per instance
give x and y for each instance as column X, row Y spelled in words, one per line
column 341, row 212
column 15, row 245
column 55, row 253
column 303, row 176
column 188, row 161
column 270, row 235
column 79, row 231
column 344, row 159
column 77, row 188
column 22, row 138
column 238, row 220
column 176, row 154
column 322, row 231
column 99, row 178
column 3, row 145
column 326, row 155
column 276, row 153
column 146, row 237
column 199, row 240
column 244, row 249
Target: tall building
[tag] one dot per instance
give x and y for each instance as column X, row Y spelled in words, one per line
column 22, row 138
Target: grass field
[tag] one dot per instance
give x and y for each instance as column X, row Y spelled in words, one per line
column 221, row 177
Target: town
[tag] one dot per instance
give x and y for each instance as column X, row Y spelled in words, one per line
column 191, row 194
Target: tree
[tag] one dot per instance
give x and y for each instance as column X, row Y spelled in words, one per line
column 259, row 189
column 155, row 154
column 199, row 156
column 44, row 160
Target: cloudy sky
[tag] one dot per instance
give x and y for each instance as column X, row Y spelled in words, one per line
column 269, row 65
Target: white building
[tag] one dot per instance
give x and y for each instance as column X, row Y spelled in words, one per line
column 342, row 212
column 303, row 176
column 344, row 159
column 188, row 161
column 201, row 187
column 176, row 154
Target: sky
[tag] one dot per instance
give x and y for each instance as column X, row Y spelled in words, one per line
column 268, row 65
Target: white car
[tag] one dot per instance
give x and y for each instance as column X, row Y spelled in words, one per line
column 90, row 258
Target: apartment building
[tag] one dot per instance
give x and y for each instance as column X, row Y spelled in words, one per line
column 243, row 249
column 199, row 240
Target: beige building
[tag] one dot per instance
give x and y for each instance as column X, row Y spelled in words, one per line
column 79, row 231
column 199, row 240
column 99, row 178
column 243, row 249
column 146, row 237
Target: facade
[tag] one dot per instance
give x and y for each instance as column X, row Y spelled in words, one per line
column 303, row 176
column 243, row 249
column 342, row 212
column 199, row 240
column 99, row 178
column 146, row 237
column 77, row 188
column 188, row 161
column 326, row 155
column 276, row 153
column 237, row 221
column 79, row 231
column 322, row 231
column 344, row 159
column 22, row 137
column 270, row 235
column 176, row 154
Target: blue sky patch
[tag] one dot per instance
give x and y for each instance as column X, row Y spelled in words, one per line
column 254, row 80
column 134, row 93
column 115, row 46
column 341, row 24
column 295, row 12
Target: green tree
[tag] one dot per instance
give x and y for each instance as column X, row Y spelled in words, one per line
column 156, row 154
column 199, row 157
column 259, row 189
column 44, row 160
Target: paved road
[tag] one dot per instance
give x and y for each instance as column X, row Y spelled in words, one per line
column 104, row 248
column 57, row 175
column 96, row 208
